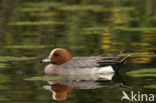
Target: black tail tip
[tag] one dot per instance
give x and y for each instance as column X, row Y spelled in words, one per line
column 122, row 59
column 117, row 66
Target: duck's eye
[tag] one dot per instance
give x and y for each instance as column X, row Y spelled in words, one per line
column 56, row 54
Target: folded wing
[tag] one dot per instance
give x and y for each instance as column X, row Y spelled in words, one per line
column 94, row 61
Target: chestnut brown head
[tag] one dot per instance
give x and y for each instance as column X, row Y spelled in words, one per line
column 58, row 56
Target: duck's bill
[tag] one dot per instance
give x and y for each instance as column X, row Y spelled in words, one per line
column 47, row 87
column 45, row 60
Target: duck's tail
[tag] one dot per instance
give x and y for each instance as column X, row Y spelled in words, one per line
column 123, row 58
column 120, row 61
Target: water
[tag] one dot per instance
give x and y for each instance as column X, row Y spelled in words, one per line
column 29, row 30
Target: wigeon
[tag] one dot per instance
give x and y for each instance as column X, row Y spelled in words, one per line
column 62, row 62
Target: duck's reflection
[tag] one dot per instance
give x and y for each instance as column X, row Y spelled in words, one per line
column 61, row 88
column 59, row 91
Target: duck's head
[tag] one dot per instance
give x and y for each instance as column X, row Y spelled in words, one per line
column 58, row 56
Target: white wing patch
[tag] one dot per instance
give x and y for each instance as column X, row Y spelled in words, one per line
column 106, row 69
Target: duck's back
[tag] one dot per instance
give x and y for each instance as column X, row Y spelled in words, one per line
column 100, row 64
column 88, row 62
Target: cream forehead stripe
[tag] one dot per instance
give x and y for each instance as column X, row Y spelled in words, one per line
column 52, row 52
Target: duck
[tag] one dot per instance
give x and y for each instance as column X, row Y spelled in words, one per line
column 62, row 62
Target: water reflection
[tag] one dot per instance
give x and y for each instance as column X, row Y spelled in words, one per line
column 59, row 91
column 61, row 88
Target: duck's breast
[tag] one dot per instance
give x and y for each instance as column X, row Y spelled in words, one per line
column 52, row 69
